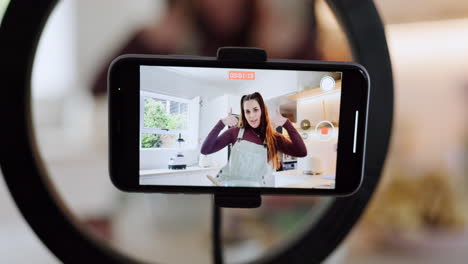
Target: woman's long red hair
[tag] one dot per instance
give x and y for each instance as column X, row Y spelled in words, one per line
column 266, row 129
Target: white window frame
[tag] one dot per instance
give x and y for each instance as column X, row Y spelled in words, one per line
column 190, row 128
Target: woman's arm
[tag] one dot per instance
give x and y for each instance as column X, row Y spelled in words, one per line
column 294, row 147
column 214, row 143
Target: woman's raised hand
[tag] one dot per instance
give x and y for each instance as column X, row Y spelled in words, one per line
column 230, row 120
column 278, row 119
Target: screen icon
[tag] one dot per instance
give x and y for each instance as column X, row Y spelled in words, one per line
column 327, row 83
column 324, row 130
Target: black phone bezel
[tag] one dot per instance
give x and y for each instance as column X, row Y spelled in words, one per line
column 124, row 94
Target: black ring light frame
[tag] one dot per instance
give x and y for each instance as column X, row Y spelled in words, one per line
column 40, row 205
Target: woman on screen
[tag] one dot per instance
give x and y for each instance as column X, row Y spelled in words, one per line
column 255, row 144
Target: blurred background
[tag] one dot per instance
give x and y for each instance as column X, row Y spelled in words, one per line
column 419, row 213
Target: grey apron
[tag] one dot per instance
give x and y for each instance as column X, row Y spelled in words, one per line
column 247, row 166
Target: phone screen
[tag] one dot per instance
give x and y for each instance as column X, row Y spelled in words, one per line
column 232, row 127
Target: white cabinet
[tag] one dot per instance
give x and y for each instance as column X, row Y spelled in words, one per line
column 233, row 101
column 211, row 112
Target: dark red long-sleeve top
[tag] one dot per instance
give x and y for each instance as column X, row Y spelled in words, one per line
column 294, row 147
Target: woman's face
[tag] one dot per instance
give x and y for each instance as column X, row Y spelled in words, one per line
column 252, row 113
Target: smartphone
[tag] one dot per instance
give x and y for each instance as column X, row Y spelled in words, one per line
column 200, row 125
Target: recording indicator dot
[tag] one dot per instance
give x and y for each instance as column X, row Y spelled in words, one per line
column 324, row 130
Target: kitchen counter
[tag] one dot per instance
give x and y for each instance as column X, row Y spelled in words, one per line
column 297, row 179
column 169, row 171
column 197, row 176
column 191, row 176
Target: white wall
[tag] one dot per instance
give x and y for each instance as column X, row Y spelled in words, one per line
column 272, row 84
column 164, row 81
